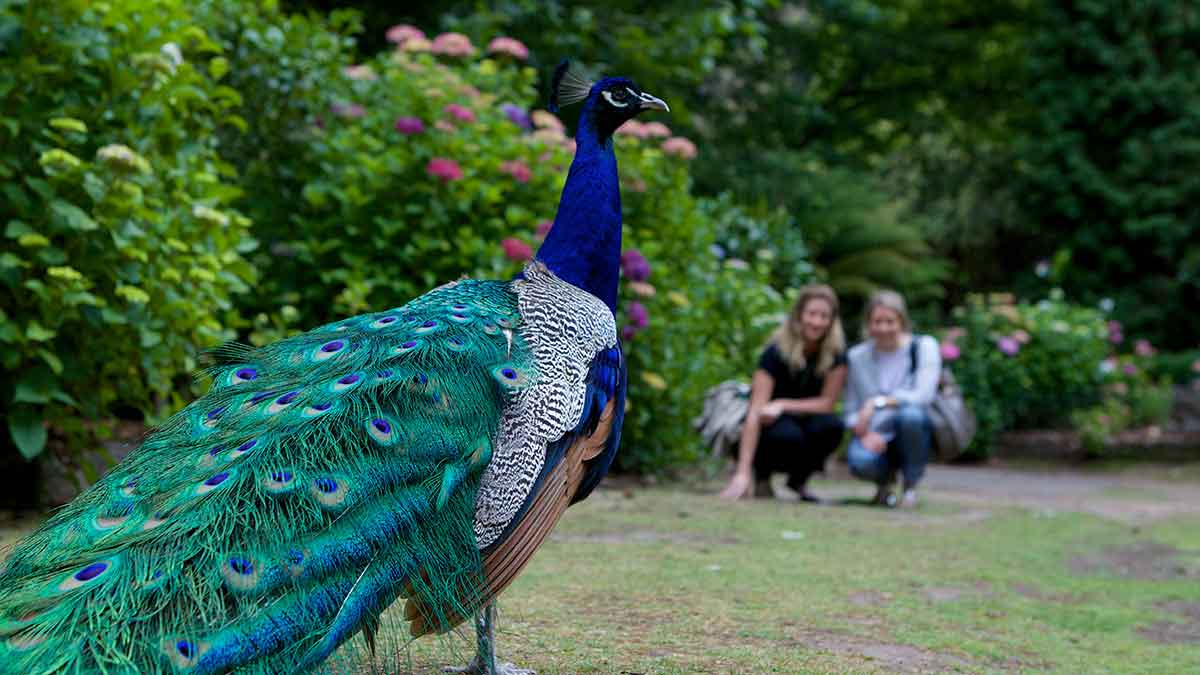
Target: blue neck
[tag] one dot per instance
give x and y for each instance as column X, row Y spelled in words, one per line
column 584, row 246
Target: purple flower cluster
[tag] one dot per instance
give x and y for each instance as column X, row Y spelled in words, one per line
column 517, row 115
column 634, row 265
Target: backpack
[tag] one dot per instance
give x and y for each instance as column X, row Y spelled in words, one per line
column 953, row 423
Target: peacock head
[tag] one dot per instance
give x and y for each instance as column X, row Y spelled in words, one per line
column 608, row 103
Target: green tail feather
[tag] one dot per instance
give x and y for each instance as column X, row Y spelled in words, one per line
column 285, row 510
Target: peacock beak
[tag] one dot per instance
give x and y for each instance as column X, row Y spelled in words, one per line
column 649, row 102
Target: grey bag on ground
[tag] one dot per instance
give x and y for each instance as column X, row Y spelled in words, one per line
column 725, row 408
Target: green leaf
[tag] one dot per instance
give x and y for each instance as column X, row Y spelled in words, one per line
column 16, row 228
column 51, row 360
column 218, row 67
column 36, row 332
column 72, row 217
column 27, row 431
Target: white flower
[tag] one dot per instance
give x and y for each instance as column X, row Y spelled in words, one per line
column 171, row 51
column 1106, row 305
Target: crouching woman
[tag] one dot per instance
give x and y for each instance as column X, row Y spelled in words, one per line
column 790, row 426
column 893, row 380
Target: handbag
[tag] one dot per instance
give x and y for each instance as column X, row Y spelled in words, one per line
column 954, row 425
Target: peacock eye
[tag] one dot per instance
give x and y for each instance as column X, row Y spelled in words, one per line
column 619, row 98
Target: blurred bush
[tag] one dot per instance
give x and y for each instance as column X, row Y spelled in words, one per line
column 120, row 255
column 1024, row 366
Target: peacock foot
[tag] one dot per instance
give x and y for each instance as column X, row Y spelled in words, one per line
column 475, row 668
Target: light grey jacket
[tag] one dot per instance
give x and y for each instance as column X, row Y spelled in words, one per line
column 862, row 381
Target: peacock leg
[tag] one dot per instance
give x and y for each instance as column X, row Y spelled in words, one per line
column 484, row 662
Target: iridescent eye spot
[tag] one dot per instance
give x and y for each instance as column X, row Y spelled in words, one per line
column 244, row 375
column 87, row 574
column 329, row 349
column 214, row 482
column 216, row 450
column 330, row 492
column 215, row 412
column 510, row 377
column 491, row 328
column 182, row 652
column 346, row 382
column 504, row 323
column 458, row 317
column 406, row 347
column 428, row 326
column 382, row 431
column 384, row 322
column 185, row 648
column 458, row 307
column 241, row 566
column 383, row 374
column 258, row 398
column 279, row 480
column 456, row 344
column 382, row 426
column 129, row 487
column 283, row 402
column 91, row 571
column 244, row 448
column 317, row 409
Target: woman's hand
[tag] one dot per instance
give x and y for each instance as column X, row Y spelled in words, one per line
column 864, row 418
column 739, row 486
column 769, row 413
column 873, row 442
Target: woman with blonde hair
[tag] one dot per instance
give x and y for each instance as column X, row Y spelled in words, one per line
column 893, row 380
column 790, row 426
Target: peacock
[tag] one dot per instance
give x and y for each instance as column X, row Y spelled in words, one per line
column 420, row 453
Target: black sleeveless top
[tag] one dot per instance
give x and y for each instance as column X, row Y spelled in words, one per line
column 805, row 383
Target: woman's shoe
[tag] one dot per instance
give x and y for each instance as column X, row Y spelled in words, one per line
column 909, row 500
column 884, row 496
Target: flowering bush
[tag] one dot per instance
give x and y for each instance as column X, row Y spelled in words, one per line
column 121, row 251
column 1026, row 365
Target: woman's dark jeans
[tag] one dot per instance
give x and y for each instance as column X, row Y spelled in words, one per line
column 797, row 445
column 907, row 453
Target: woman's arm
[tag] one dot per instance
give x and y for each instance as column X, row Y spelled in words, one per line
column 761, row 387
column 823, row 403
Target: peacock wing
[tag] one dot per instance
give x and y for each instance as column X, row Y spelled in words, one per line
column 282, row 512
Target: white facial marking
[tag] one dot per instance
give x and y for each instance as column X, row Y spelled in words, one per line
column 609, row 97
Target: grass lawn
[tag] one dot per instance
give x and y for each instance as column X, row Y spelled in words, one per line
column 674, row 581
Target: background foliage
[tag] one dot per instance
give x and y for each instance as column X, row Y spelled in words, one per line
column 178, row 174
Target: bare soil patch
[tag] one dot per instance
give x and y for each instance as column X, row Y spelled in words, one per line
column 1147, row 560
column 1175, row 632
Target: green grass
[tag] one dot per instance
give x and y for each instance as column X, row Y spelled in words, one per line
column 667, row 581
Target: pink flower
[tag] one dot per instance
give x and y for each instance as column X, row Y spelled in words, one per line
column 446, row 169
column 1143, row 348
column 349, row 110
column 544, row 119
column 680, row 147
column 950, row 351
column 409, row 125
column 1021, row 336
column 402, row 32
column 517, row 169
column 656, row 130
column 417, row 45
column 1129, row 369
column 1115, row 335
column 452, row 44
column 639, row 318
column 1008, row 345
column 954, row 333
column 633, row 128
column 459, row 113
column 627, row 332
column 634, row 265
column 360, row 72
column 1196, row 366
column 635, row 184
column 443, row 125
column 543, row 229
column 516, row 250
column 508, row 46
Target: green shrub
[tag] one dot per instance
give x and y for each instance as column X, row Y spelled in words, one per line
column 120, row 254
column 1026, row 365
